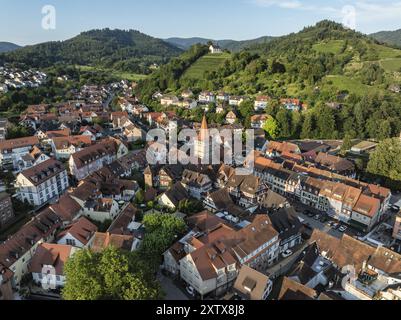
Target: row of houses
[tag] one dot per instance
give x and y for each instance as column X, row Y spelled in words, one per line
column 358, row 204
column 67, row 224
column 47, row 181
column 189, row 101
column 210, row 256
column 11, row 78
column 348, row 269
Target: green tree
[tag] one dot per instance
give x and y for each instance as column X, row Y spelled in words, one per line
column 283, row 119
column 347, row 145
column 326, row 122
column 308, row 128
column 161, row 231
column 105, row 276
column 140, row 197
column 166, row 222
column 385, row 160
column 271, row 127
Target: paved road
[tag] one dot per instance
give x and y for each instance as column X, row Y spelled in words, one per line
column 321, row 226
column 315, row 224
column 172, row 292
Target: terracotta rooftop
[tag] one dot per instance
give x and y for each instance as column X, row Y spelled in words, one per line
column 43, row 171
column 82, row 230
column 55, row 255
column 291, row 290
column 66, row 208
column 18, row 143
column 251, row 283
column 40, row 227
column 102, row 241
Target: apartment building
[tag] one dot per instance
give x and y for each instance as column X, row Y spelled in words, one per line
column 94, row 158
column 16, row 252
column 210, row 256
column 40, row 184
column 197, row 184
column 12, row 151
column 64, row 147
column 357, row 204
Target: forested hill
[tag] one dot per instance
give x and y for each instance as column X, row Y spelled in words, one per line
column 324, row 66
column 8, row 46
column 119, row 49
column 231, row 45
column 390, row 37
column 325, row 58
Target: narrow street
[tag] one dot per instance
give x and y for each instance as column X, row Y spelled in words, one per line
column 285, row 265
column 172, row 292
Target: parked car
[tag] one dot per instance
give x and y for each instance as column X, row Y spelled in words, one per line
column 343, row 229
column 335, row 225
column 309, row 213
column 287, row 253
column 190, row 291
column 395, row 208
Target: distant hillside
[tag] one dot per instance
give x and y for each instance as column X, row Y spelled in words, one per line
column 390, row 37
column 326, row 56
column 118, row 49
column 207, row 63
column 324, row 65
column 232, row 45
column 8, row 46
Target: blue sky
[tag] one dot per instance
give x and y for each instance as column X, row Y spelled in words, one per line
column 20, row 20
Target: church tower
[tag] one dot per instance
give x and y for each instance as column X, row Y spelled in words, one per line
column 203, row 143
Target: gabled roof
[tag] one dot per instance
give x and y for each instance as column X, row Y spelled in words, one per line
column 40, row 227
column 95, row 152
column 204, row 221
column 273, row 200
column 286, row 222
column 102, row 241
column 343, row 252
column 120, row 225
column 253, row 236
column 333, row 162
column 82, row 230
column 291, row 290
column 177, row 193
column 43, row 171
column 55, row 255
column 66, row 208
column 18, row 143
column 251, row 283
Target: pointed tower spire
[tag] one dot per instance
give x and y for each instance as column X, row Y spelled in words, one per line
column 204, row 122
column 203, row 135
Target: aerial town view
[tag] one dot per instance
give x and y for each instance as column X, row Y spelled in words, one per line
column 143, row 159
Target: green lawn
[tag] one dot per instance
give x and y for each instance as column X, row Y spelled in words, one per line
column 209, row 62
column 386, row 52
column 332, row 46
column 347, row 83
column 119, row 74
column 391, row 65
